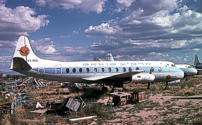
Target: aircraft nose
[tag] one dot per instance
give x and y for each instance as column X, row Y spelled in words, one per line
column 195, row 72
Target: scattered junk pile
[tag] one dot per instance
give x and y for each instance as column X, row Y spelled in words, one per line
column 26, row 83
column 51, row 106
column 122, row 98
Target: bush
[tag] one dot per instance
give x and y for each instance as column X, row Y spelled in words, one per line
column 153, row 88
column 6, row 100
column 182, row 86
column 61, row 97
column 92, row 93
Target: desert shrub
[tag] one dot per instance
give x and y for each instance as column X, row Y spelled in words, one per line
column 182, row 86
column 189, row 85
column 190, row 93
column 179, row 93
column 181, row 120
column 6, row 100
column 52, row 119
column 153, row 88
column 5, row 119
column 96, row 109
column 18, row 116
column 92, row 93
column 76, row 90
column 61, row 97
column 44, row 96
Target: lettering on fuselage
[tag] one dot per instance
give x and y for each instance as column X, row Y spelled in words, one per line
column 116, row 64
column 32, row 60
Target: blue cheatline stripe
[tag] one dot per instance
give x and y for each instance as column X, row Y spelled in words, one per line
column 91, row 70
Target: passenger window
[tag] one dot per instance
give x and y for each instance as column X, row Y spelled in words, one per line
column 159, row 69
column 124, row 69
column 87, row 70
column 67, row 70
column 80, row 70
column 116, row 69
column 102, row 69
column 95, row 70
column 109, row 69
column 130, row 69
column 73, row 70
column 137, row 68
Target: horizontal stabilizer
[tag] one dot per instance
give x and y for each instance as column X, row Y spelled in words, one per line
column 20, row 63
column 112, row 76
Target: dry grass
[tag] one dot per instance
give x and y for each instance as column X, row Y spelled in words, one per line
column 158, row 109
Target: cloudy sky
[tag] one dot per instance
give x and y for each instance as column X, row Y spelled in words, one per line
column 75, row 30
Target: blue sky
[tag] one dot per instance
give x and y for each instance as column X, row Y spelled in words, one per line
column 75, row 30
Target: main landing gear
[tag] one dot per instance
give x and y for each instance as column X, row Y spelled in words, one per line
column 148, row 87
column 166, row 85
column 118, row 84
column 104, row 89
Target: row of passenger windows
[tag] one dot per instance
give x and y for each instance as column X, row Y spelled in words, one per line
column 109, row 69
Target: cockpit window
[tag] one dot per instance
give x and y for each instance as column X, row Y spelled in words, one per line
column 173, row 65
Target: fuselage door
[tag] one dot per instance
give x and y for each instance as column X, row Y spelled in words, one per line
column 58, row 71
column 41, row 71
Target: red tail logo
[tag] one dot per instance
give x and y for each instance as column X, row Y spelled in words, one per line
column 24, row 51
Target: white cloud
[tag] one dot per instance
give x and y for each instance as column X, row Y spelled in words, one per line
column 103, row 29
column 44, row 46
column 196, row 49
column 122, row 4
column 5, row 59
column 19, row 21
column 2, row 1
column 64, row 36
column 48, row 49
column 85, row 6
column 75, row 32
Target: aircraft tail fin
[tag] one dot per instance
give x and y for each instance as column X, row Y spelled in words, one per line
column 24, row 56
column 196, row 60
column 109, row 57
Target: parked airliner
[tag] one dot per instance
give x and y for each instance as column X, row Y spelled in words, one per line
column 116, row 72
column 197, row 64
column 189, row 71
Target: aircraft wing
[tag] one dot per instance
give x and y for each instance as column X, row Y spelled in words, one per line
column 113, row 76
column 194, row 66
column 190, row 64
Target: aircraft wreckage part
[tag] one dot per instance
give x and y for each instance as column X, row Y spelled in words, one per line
column 72, row 104
column 83, row 118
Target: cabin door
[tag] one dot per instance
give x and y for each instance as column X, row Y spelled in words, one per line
column 41, row 72
column 58, row 71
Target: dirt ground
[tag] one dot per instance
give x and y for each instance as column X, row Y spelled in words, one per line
column 160, row 107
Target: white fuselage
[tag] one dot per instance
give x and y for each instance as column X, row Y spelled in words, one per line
column 76, row 71
column 188, row 70
column 26, row 62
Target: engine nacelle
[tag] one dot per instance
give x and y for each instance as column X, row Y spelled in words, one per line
column 143, row 78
